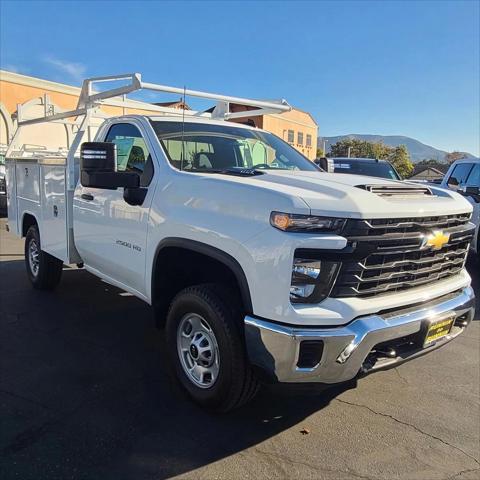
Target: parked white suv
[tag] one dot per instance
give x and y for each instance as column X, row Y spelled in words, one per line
column 260, row 265
column 463, row 176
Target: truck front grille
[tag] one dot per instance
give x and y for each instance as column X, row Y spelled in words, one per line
column 388, row 255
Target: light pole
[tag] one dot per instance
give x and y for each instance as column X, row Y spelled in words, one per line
column 325, row 147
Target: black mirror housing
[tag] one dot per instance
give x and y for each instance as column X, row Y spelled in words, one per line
column 325, row 164
column 472, row 190
column 135, row 196
column 109, row 180
column 98, row 156
column 98, row 167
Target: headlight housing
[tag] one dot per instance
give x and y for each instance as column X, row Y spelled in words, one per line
column 292, row 222
column 312, row 279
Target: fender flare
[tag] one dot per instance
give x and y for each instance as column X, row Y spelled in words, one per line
column 214, row 253
column 30, row 214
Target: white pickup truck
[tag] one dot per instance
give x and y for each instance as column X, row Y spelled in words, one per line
column 260, row 266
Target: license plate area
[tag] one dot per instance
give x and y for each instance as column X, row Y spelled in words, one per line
column 438, row 329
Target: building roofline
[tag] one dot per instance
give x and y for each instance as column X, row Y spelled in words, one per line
column 20, row 79
column 308, row 113
column 41, row 83
column 423, row 168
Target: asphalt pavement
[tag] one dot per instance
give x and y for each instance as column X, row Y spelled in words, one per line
column 86, row 393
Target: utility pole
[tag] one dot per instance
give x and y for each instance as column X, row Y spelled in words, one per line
column 348, row 155
column 325, row 147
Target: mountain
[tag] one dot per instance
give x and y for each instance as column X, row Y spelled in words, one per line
column 418, row 151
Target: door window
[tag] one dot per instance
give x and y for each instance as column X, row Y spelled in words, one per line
column 132, row 151
column 459, row 175
column 473, row 179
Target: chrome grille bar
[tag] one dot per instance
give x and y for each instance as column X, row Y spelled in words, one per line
column 437, row 223
column 388, row 255
column 420, row 261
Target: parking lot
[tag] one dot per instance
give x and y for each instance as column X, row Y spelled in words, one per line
column 85, row 393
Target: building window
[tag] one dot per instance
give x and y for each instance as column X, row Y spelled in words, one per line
column 309, row 140
column 300, row 138
column 291, row 136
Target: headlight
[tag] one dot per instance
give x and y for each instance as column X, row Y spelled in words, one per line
column 291, row 222
column 312, row 279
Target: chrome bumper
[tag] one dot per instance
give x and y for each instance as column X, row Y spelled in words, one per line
column 347, row 350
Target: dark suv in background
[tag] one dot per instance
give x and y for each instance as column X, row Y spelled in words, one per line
column 365, row 166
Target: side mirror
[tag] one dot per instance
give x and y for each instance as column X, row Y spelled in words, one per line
column 472, row 191
column 325, row 164
column 98, row 167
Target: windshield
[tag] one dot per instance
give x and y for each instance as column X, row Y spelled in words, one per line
column 371, row 169
column 214, row 148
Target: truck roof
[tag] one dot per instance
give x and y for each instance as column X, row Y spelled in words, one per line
column 467, row 160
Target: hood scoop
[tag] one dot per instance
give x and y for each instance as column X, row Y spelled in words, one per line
column 404, row 191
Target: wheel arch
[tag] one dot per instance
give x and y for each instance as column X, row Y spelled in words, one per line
column 212, row 256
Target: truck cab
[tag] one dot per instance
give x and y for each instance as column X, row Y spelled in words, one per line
column 260, row 266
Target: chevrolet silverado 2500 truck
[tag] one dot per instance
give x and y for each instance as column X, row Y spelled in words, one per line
column 260, row 265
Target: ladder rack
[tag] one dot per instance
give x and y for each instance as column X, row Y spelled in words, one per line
column 90, row 99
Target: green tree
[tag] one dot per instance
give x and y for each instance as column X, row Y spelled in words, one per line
column 400, row 159
column 397, row 156
column 429, row 161
column 359, row 149
column 320, row 153
column 451, row 157
column 432, row 162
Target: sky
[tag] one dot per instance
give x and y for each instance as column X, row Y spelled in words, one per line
column 378, row 67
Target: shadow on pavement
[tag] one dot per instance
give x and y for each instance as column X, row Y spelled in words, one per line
column 86, row 391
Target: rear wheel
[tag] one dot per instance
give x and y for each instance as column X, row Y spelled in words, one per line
column 207, row 349
column 43, row 270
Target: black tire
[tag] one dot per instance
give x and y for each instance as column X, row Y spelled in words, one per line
column 235, row 383
column 46, row 271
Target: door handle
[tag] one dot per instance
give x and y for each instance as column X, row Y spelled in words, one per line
column 87, row 196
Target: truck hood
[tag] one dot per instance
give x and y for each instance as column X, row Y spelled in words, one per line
column 345, row 195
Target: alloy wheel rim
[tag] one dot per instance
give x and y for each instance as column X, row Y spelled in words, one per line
column 34, row 257
column 197, row 349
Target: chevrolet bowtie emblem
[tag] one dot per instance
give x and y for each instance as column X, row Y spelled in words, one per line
column 437, row 239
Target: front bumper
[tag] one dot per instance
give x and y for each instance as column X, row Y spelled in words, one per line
column 357, row 347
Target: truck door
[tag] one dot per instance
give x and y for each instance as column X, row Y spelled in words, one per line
column 110, row 234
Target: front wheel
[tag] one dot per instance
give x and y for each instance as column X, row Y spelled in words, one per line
column 43, row 270
column 207, row 349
